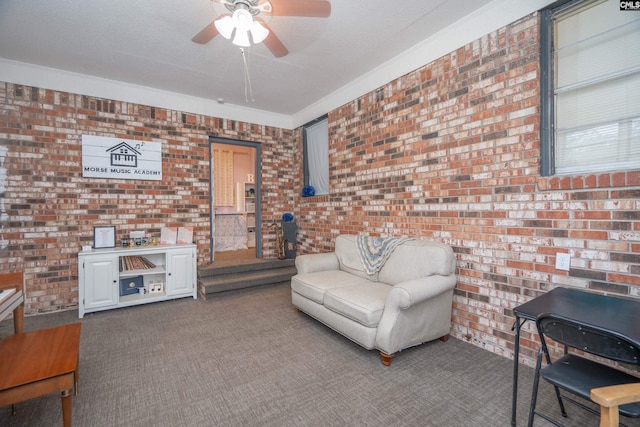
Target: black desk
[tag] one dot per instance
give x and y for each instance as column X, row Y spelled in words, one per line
column 616, row 314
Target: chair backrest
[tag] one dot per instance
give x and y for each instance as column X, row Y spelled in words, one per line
column 588, row 338
column 9, row 280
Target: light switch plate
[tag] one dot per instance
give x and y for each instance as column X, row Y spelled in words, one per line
column 563, row 261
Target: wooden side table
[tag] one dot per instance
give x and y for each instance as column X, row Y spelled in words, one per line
column 13, row 283
column 38, row 363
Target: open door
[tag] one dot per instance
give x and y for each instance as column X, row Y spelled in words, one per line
column 235, row 200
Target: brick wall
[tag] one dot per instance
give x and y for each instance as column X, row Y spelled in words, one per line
column 52, row 209
column 451, row 152
column 448, row 152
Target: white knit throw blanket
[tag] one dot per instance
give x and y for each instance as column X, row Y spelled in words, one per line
column 374, row 251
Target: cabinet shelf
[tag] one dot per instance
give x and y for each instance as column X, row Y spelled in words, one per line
column 138, row 299
column 99, row 276
column 142, row 272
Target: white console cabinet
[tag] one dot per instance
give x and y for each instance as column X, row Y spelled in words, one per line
column 107, row 278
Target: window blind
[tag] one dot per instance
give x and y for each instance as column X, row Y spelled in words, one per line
column 318, row 156
column 597, row 89
column 223, row 177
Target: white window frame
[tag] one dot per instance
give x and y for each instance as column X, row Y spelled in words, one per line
column 585, row 145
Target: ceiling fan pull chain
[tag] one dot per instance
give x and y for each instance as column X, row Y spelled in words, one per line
column 248, row 90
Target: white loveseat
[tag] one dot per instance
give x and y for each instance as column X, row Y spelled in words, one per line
column 406, row 303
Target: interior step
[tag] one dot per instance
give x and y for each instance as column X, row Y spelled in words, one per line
column 212, row 279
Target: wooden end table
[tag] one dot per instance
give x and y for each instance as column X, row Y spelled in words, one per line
column 38, row 363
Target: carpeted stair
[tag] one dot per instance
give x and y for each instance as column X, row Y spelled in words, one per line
column 212, row 279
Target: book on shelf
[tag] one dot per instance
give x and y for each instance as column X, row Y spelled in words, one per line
column 134, row 262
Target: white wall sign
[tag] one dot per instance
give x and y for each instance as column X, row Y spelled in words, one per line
column 104, row 157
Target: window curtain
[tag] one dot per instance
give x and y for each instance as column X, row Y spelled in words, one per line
column 223, row 177
column 317, row 138
column 597, row 89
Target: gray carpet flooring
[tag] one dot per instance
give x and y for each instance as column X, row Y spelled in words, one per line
column 248, row 358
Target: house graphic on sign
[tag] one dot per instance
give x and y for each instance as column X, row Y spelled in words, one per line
column 124, row 155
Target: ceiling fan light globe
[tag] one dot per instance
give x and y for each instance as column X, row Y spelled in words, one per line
column 258, row 32
column 242, row 19
column 241, row 39
column 225, row 27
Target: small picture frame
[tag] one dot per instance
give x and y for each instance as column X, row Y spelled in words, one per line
column 104, row 237
column 185, row 235
column 168, row 235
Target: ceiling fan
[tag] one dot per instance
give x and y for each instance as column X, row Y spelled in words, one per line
column 247, row 18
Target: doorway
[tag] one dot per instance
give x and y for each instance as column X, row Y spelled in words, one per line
column 235, row 200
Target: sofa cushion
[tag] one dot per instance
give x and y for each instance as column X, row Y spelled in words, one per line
column 417, row 258
column 349, row 257
column 363, row 303
column 313, row 285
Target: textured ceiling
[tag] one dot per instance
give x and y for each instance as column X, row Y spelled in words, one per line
column 148, row 43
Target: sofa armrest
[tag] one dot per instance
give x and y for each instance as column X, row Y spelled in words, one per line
column 406, row 294
column 310, row 263
column 416, row 311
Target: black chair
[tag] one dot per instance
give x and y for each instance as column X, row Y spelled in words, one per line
column 575, row 374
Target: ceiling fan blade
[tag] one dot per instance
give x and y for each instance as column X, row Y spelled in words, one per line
column 206, row 35
column 273, row 43
column 310, row 8
column 208, row 32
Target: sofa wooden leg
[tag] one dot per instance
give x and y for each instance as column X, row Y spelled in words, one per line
column 386, row 358
column 444, row 338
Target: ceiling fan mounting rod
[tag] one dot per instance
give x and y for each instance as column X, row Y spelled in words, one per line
column 250, row 5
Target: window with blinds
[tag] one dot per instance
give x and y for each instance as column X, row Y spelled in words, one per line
column 316, row 155
column 596, row 88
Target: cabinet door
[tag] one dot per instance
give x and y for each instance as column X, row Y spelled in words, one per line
column 180, row 276
column 100, row 282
